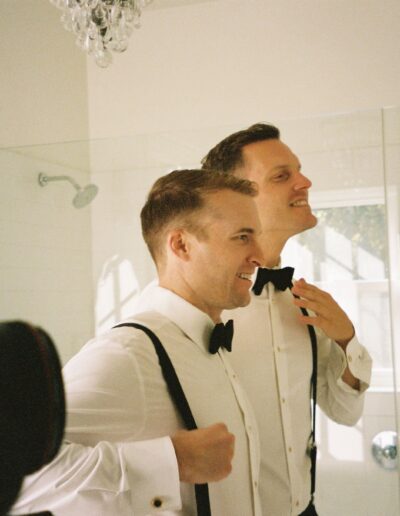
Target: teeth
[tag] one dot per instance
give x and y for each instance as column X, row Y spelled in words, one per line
column 300, row 203
column 244, row 276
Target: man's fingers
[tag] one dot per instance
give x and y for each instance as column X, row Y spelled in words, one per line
column 317, row 308
column 303, row 289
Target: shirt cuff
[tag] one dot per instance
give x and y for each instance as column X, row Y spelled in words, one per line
column 358, row 360
column 153, row 474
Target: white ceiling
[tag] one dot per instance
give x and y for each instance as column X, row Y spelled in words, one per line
column 164, row 4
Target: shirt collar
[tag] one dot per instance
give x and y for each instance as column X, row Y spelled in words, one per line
column 196, row 324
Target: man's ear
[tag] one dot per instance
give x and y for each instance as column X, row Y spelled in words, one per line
column 179, row 243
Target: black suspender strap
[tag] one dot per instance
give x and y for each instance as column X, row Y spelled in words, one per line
column 179, row 398
column 312, row 446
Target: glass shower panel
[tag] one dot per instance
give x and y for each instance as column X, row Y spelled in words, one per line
column 351, row 254
column 391, row 138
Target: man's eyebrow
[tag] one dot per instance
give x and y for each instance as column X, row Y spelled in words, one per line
column 245, row 230
column 284, row 167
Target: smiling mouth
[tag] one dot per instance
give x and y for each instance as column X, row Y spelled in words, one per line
column 243, row 275
column 300, row 203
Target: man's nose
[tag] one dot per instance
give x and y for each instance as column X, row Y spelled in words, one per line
column 257, row 256
column 302, row 182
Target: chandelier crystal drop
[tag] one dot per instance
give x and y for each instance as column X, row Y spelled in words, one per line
column 101, row 26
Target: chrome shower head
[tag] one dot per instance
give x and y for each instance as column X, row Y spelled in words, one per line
column 84, row 195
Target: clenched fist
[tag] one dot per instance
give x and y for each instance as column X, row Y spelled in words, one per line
column 204, row 455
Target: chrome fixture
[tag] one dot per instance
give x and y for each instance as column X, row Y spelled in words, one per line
column 101, row 25
column 84, row 195
column 384, row 449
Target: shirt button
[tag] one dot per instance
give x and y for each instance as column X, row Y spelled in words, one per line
column 349, row 358
column 283, row 400
column 297, row 503
column 255, row 483
column 290, row 449
column 278, row 348
column 156, row 502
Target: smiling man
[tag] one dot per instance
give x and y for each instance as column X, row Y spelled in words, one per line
column 202, row 231
column 274, row 350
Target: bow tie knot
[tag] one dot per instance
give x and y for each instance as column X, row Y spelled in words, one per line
column 280, row 278
column 221, row 336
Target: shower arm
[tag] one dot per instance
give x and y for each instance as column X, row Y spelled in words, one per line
column 45, row 179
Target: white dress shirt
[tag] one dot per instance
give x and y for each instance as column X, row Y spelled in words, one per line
column 273, row 358
column 116, row 393
column 106, row 479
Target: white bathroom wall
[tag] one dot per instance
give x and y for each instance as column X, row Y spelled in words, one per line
column 43, row 86
column 45, row 258
column 219, row 62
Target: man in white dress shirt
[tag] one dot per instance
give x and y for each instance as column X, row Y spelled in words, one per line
column 201, row 230
column 272, row 351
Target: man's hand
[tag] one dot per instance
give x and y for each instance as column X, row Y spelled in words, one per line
column 328, row 314
column 329, row 317
column 204, row 455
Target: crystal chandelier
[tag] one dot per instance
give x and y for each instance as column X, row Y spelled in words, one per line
column 101, row 25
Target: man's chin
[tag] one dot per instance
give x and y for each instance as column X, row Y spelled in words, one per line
column 241, row 302
column 310, row 223
column 314, row 222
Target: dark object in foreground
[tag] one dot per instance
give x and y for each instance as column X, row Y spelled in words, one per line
column 32, row 405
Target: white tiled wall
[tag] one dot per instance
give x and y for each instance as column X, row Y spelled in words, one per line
column 45, row 258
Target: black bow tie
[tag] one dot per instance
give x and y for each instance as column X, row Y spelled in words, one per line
column 221, row 336
column 280, row 278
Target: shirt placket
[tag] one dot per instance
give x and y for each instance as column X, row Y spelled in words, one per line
column 283, row 382
column 251, row 432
